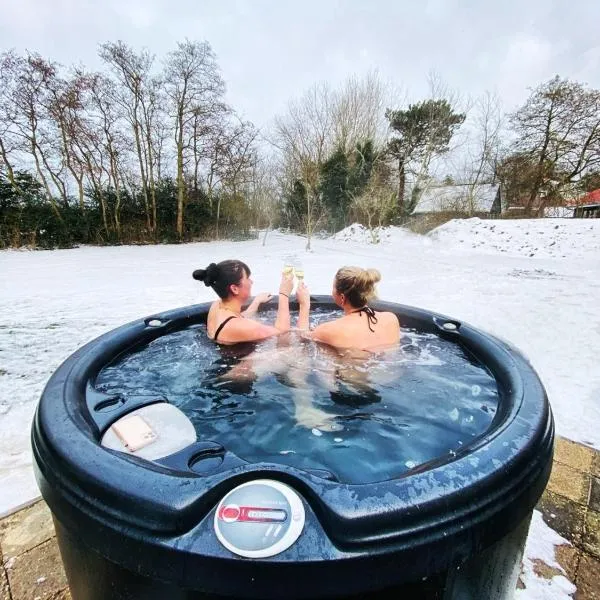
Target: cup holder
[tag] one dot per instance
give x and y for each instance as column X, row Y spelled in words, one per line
column 206, row 462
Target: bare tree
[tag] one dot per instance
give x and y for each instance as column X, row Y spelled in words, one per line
column 358, row 112
column 239, row 154
column 133, row 71
column 107, row 137
column 305, row 134
column 194, row 87
column 481, row 150
column 150, row 104
column 25, row 100
column 376, row 204
column 9, row 143
column 66, row 108
column 559, row 128
column 305, row 138
column 263, row 195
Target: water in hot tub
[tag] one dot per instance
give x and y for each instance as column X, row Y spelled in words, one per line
column 363, row 417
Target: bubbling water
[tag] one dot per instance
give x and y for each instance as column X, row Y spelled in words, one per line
column 364, row 417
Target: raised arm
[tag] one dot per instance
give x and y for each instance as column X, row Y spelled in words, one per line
column 303, row 296
column 282, row 322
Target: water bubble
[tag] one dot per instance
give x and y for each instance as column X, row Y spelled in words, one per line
column 338, row 440
column 410, row 464
column 317, row 432
column 475, row 390
column 454, row 414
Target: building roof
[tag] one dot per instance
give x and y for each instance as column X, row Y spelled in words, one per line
column 590, row 199
column 456, row 198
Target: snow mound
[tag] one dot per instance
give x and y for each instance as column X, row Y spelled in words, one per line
column 540, row 238
column 378, row 235
column 359, row 233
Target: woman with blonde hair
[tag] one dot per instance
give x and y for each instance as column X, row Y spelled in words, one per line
column 361, row 327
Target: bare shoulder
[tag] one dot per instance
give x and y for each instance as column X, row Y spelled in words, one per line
column 389, row 318
column 390, row 323
column 211, row 318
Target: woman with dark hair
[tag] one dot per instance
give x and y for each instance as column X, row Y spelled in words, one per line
column 226, row 323
column 361, row 327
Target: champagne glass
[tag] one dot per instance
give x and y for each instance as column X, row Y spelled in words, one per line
column 299, row 270
column 288, row 265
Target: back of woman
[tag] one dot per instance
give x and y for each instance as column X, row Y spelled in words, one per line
column 361, row 327
column 366, row 331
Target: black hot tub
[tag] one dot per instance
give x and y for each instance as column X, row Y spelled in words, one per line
column 197, row 521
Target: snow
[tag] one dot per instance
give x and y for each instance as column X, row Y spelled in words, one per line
column 535, row 283
column 541, row 238
column 378, row 235
column 540, row 546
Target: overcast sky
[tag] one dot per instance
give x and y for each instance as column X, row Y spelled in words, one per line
column 272, row 50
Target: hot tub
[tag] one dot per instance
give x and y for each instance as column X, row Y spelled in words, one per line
column 186, row 517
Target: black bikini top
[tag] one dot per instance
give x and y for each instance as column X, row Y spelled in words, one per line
column 220, row 327
column 371, row 318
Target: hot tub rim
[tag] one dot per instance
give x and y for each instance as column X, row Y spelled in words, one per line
column 94, row 490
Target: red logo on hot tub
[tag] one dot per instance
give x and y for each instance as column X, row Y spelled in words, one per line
column 251, row 514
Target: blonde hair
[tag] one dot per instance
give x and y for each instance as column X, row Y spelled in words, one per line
column 357, row 285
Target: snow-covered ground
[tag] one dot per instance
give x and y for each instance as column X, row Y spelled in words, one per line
column 540, row 238
column 534, row 283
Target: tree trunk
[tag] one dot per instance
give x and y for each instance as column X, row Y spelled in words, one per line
column 308, row 219
column 41, row 175
column 540, row 174
column 196, row 158
column 114, row 174
column 138, row 145
column 151, row 179
column 9, row 170
column 97, row 187
column 218, row 216
column 180, row 182
column 401, row 185
column 60, row 185
column 81, row 193
column 67, row 157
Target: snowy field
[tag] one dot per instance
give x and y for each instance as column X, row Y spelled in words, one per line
column 534, row 283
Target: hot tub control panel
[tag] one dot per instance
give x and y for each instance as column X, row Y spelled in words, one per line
column 259, row 519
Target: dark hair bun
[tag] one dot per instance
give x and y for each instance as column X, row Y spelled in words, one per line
column 208, row 275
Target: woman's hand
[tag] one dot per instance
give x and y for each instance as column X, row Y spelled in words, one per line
column 287, row 284
column 258, row 300
column 303, row 295
column 262, row 298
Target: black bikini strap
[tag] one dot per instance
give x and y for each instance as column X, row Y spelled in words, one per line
column 218, row 331
column 371, row 318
